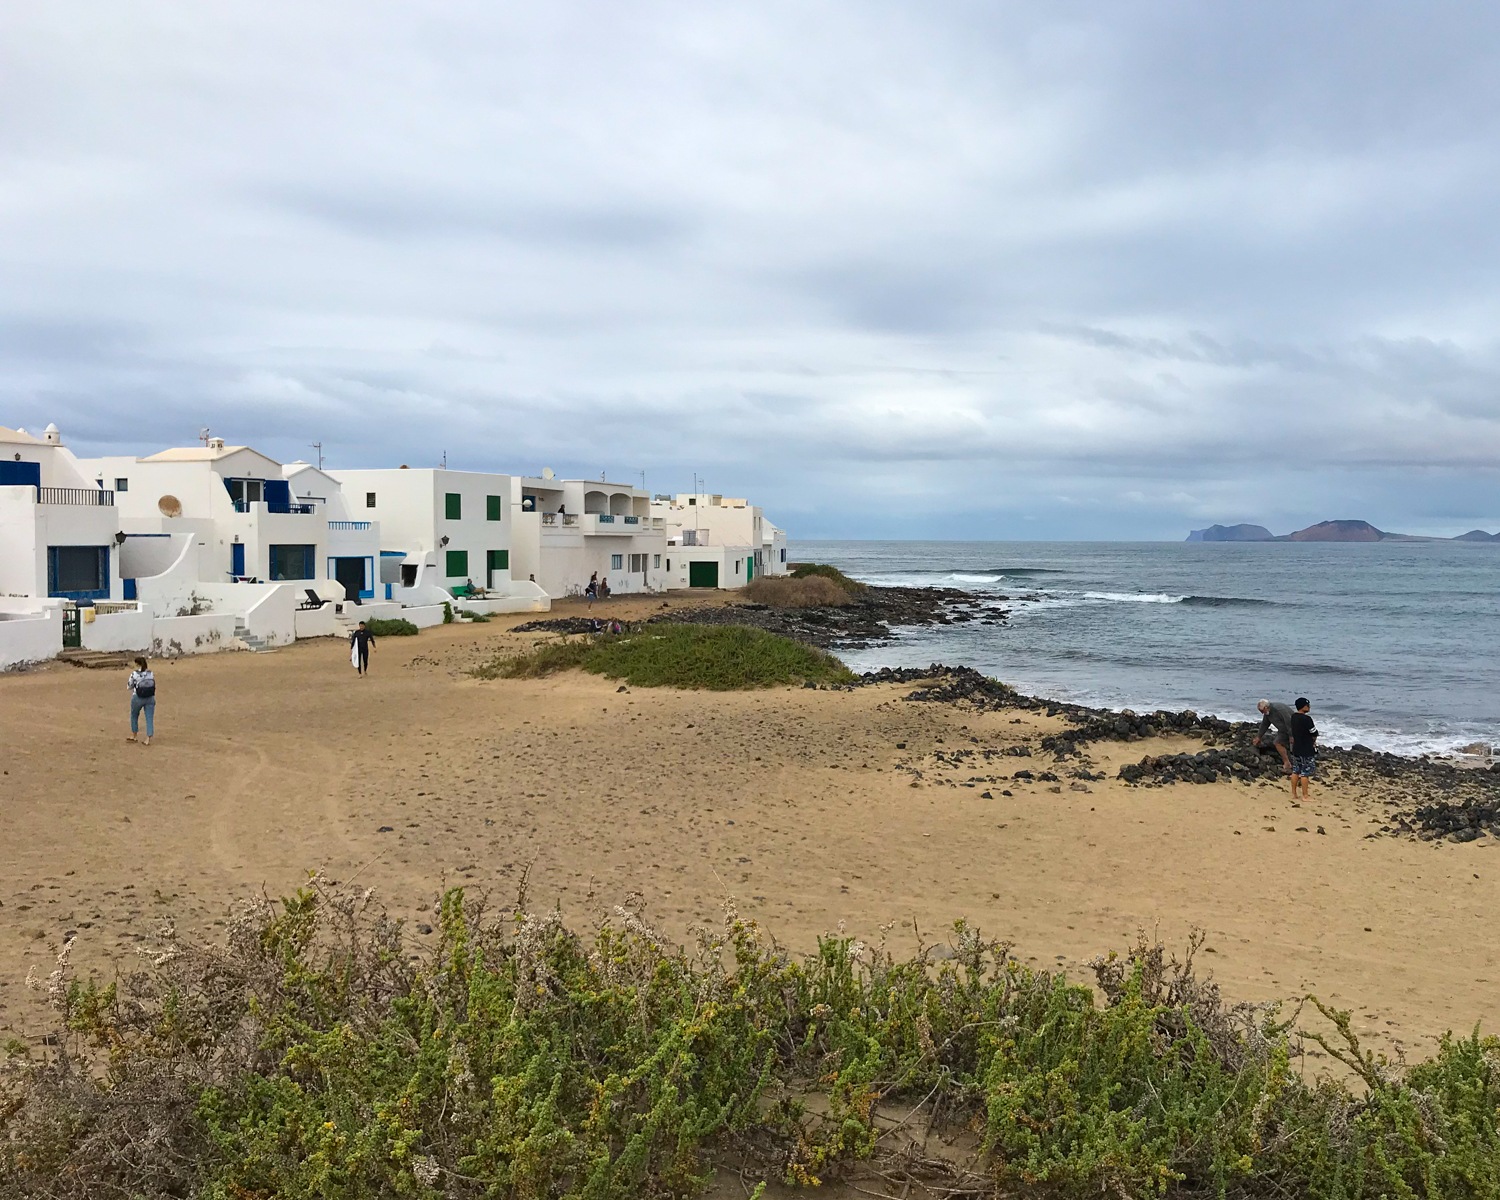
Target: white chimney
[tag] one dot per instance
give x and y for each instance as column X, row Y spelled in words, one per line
column 216, row 443
column 52, row 435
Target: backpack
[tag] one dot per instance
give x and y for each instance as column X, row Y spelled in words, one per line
column 145, row 686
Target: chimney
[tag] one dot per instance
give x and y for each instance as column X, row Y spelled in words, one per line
column 52, row 435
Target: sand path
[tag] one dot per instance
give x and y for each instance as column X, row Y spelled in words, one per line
column 799, row 803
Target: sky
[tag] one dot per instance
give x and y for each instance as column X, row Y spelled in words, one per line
column 963, row 270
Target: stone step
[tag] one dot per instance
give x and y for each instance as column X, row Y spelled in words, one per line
column 98, row 660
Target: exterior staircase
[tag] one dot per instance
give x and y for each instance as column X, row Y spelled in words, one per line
column 98, row 660
column 250, row 641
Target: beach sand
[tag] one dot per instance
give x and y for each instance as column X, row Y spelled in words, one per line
column 798, row 803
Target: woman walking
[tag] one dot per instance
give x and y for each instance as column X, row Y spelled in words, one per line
column 142, row 686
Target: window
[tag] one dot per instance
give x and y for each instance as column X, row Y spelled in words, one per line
column 453, row 507
column 656, row 561
column 80, row 572
column 492, row 508
column 246, row 492
column 736, row 566
column 638, row 563
column 122, row 485
column 369, row 499
column 783, row 555
column 669, row 564
column 458, row 561
column 616, row 561
column 291, row 562
column 692, row 500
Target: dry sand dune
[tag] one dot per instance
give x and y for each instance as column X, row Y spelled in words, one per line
column 799, row 803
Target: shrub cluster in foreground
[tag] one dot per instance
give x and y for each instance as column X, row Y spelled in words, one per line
column 715, row 657
column 310, row 1058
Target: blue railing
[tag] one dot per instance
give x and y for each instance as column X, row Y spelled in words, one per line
column 348, row 524
column 606, row 518
column 632, row 520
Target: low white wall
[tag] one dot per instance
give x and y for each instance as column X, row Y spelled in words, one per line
column 372, row 610
column 317, row 622
column 30, row 639
column 118, row 631
column 424, row 616
column 273, row 618
column 533, row 600
column 172, row 637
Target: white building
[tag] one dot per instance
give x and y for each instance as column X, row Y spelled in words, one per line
column 441, row 533
column 718, row 542
column 58, row 529
column 352, row 553
column 568, row 530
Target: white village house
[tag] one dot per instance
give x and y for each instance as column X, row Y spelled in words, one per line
column 443, row 534
column 718, row 542
column 59, row 546
column 567, row 530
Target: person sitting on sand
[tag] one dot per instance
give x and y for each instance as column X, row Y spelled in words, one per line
column 1280, row 716
column 1304, row 747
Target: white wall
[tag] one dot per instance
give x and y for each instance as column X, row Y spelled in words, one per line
column 28, row 528
column 317, row 622
column 29, row 639
column 172, row 637
column 117, row 631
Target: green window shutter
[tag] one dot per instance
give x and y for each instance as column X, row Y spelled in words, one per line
column 454, row 507
column 492, row 508
column 499, row 560
column 458, row 564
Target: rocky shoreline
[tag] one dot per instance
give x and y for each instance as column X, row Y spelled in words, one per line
column 1424, row 797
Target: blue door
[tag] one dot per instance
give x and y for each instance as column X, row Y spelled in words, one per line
column 237, row 559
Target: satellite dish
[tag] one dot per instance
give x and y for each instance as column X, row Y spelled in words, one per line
column 547, row 473
column 169, row 506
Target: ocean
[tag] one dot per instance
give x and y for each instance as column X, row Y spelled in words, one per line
column 1393, row 642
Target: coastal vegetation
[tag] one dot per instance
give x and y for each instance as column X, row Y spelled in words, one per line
column 312, row 1057
column 712, row 657
column 390, row 627
column 807, row 591
column 824, row 571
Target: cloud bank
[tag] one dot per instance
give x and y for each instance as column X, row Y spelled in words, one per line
column 952, row 270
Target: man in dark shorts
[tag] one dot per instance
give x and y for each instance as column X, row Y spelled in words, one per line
column 1280, row 716
column 1304, row 747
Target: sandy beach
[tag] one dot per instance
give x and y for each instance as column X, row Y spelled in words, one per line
column 810, row 808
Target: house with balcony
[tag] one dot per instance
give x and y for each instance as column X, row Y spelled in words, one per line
column 718, row 541
column 59, row 531
column 443, row 534
column 567, row 530
column 352, row 550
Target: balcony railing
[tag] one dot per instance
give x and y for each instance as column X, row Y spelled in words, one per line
column 559, row 519
column 631, row 520
column 606, row 518
column 350, row 525
column 93, row 497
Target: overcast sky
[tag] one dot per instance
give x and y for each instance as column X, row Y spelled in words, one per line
column 987, row 269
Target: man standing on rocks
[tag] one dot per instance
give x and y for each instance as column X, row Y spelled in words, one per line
column 1279, row 716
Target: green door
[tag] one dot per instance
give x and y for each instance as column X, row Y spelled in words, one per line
column 749, row 569
column 72, row 632
column 703, row 574
column 495, row 560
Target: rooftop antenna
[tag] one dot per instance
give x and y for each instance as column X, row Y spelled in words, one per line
column 318, row 446
column 203, row 435
column 445, row 460
column 643, row 478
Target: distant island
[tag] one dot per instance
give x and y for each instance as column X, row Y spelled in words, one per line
column 1326, row 531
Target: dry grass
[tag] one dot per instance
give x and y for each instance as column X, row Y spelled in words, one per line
column 783, row 591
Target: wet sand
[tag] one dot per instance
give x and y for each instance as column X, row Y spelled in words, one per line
column 799, row 803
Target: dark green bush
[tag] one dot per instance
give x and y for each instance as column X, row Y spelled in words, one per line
column 715, row 657
column 311, row 1059
column 391, row 627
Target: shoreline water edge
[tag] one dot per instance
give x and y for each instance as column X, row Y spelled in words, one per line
column 1427, row 796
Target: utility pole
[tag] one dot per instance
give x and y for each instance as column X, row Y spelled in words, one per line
column 318, row 446
column 445, row 460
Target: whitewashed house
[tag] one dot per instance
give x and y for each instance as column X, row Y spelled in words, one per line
column 718, row 542
column 352, row 550
column 567, row 530
column 443, row 534
column 59, row 549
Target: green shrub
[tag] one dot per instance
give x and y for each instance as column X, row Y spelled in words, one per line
column 474, row 615
column 812, row 591
column 713, row 657
column 809, row 570
column 447, row 612
column 391, row 627
column 311, row 1059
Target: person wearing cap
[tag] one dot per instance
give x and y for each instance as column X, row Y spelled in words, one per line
column 1278, row 716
